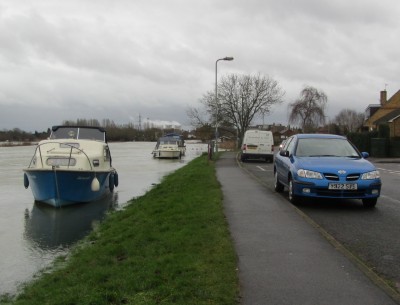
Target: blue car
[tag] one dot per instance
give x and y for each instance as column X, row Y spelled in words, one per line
column 325, row 166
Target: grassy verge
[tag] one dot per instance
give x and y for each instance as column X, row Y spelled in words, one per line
column 170, row 246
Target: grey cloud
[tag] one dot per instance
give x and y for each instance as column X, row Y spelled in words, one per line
column 114, row 59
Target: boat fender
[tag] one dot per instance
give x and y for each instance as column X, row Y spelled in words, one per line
column 111, row 182
column 95, row 186
column 116, row 179
column 26, row 181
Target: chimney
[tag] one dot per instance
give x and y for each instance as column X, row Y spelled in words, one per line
column 383, row 97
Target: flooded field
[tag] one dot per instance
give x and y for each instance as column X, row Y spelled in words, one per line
column 32, row 234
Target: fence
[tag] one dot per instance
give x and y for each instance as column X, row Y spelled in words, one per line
column 379, row 147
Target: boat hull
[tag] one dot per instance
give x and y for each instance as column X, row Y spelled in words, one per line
column 167, row 154
column 65, row 187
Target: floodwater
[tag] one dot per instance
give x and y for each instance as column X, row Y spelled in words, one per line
column 33, row 234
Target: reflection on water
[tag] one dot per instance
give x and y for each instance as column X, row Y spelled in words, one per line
column 33, row 234
column 47, row 228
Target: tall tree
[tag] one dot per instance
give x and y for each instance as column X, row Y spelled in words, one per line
column 349, row 120
column 240, row 99
column 309, row 109
column 198, row 117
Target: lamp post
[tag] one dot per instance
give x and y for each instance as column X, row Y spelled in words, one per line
column 216, row 99
column 329, row 122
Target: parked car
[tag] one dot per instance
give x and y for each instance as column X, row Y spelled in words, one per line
column 257, row 144
column 325, row 166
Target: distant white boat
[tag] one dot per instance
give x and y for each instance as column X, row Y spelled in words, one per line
column 72, row 166
column 170, row 146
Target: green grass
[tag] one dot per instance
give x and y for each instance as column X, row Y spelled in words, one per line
column 170, row 246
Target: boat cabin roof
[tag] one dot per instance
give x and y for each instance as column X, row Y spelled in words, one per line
column 78, row 133
column 173, row 135
column 166, row 140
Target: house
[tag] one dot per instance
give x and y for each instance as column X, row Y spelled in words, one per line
column 385, row 113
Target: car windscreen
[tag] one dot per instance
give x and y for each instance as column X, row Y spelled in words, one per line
column 320, row 147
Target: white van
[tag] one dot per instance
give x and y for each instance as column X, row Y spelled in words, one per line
column 258, row 144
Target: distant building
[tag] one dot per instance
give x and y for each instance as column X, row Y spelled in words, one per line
column 169, row 125
column 271, row 127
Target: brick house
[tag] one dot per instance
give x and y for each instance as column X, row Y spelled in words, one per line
column 387, row 112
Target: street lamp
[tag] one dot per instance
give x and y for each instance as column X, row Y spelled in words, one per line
column 329, row 122
column 216, row 99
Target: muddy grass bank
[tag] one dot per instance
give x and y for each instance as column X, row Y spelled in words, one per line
column 170, row 246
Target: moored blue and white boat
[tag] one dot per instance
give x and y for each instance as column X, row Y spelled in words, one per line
column 73, row 166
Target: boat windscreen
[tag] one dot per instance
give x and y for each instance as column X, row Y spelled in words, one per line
column 91, row 134
column 64, row 133
column 78, row 133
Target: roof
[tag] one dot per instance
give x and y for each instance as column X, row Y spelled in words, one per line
column 54, row 128
column 393, row 119
column 318, row 136
column 386, row 118
column 373, row 106
column 385, row 112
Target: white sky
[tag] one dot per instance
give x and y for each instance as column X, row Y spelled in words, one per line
column 64, row 60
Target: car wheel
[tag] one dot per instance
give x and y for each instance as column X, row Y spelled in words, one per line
column 242, row 158
column 278, row 186
column 369, row 202
column 292, row 197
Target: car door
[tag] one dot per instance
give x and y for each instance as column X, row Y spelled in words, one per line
column 283, row 162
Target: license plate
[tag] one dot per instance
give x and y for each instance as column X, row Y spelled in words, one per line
column 342, row 186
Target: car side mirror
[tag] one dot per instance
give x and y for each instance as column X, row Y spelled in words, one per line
column 365, row 155
column 284, row 153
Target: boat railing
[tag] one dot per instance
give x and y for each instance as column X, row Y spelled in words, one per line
column 72, row 147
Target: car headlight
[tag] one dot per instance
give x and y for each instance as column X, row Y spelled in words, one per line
column 309, row 174
column 371, row 175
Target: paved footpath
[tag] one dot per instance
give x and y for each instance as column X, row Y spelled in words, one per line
column 282, row 259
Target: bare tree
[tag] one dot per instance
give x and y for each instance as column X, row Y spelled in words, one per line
column 198, row 117
column 349, row 120
column 309, row 109
column 240, row 100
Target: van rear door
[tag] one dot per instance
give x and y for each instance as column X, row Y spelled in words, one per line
column 259, row 143
column 265, row 146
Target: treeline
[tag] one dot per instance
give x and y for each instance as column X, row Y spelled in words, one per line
column 126, row 132
column 18, row 135
column 129, row 133
column 115, row 133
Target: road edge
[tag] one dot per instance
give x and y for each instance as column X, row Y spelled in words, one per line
column 372, row 275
